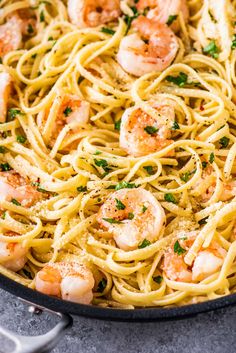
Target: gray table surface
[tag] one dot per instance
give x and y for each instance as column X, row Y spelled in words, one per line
column 205, row 333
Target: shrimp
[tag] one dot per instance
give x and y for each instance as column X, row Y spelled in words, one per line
column 67, row 280
column 132, row 216
column 15, row 187
column 12, row 255
column 5, row 90
column 205, row 186
column 67, row 109
column 164, row 11
column 207, row 261
column 141, row 134
column 139, row 57
column 10, row 35
column 90, row 13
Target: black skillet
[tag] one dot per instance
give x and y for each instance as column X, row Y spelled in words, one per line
column 45, row 343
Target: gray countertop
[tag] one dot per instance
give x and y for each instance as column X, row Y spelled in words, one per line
column 205, row 333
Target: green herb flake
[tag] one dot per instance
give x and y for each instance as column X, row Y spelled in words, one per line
column 146, row 10
column 30, row 28
column 151, row 130
column 2, row 149
column 103, row 164
column 21, row 139
column 175, row 125
column 178, row 249
column 3, row 216
column 144, row 244
column 112, row 221
column 102, row 285
column 129, row 19
column 96, row 153
column 130, row 215
column 117, row 125
column 38, row 186
column 41, row 16
column 33, row 56
column 157, row 279
column 67, row 111
column 170, row 198
column 204, row 164
column 81, row 188
column 171, row 19
column 125, row 185
column 12, row 113
column 15, row 202
column 233, row 45
column 185, row 176
column 224, row 141
column 107, row 30
column 149, row 169
column 180, row 80
column 5, row 167
column 212, row 157
column 119, row 205
column 203, row 220
column 212, row 50
column 144, row 209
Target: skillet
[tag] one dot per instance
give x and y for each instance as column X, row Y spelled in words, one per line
column 45, row 343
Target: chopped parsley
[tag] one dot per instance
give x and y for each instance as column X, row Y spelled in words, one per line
column 175, row 125
column 119, row 205
column 149, row 169
column 224, row 141
column 157, row 279
column 144, row 244
column 12, row 113
column 67, row 111
column 38, row 186
column 103, row 164
column 97, row 153
column 21, row 139
column 5, row 167
column 171, row 19
column 185, row 176
column 107, row 30
column 117, row 125
column 112, row 220
column 125, row 185
column 144, row 209
column 151, row 130
column 170, row 198
column 41, row 16
column 204, row 164
column 3, row 215
column 212, row 50
column 30, row 28
column 15, row 202
column 178, row 249
column 81, row 188
column 129, row 19
column 203, row 220
column 130, row 215
column 233, row 45
column 102, row 285
column 2, row 149
column 180, row 80
column 212, row 157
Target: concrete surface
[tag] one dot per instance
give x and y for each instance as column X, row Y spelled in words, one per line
column 205, row 333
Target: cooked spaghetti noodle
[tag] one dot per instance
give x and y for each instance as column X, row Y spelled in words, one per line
column 71, row 170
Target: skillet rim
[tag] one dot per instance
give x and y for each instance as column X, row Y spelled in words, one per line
column 91, row 311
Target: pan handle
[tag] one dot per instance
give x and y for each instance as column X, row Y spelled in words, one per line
column 39, row 344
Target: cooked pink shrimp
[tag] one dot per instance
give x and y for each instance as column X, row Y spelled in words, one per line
column 138, row 57
column 14, row 187
column 90, row 13
column 165, row 11
column 132, row 216
column 67, row 280
column 12, row 255
column 5, row 90
column 141, row 134
column 10, row 35
column 207, row 261
column 70, row 109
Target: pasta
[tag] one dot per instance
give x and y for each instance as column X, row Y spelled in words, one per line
column 87, row 124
